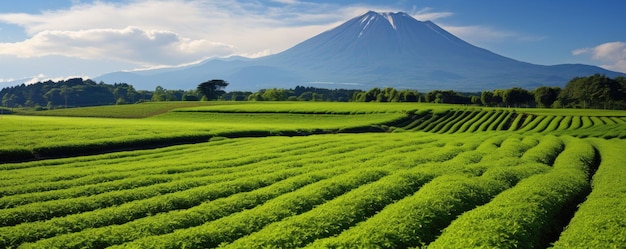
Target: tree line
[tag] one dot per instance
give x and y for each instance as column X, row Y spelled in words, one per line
column 596, row 91
column 79, row 92
column 69, row 93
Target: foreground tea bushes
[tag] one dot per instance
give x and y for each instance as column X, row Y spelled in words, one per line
column 336, row 215
column 599, row 222
column 231, row 227
column 168, row 222
column 546, row 152
column 395, row 189
column 415, row 220
column 525, row 216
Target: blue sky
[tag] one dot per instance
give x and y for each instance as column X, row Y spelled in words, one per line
column 42, row 39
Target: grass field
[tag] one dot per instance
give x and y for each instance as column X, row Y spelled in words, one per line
column 312, row 175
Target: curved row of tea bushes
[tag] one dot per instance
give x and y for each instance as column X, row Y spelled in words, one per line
column 599, row 221
column 138, row 209
column 566, row 123
column 517, row 121
column 335, row 215
column 71, row 181
column 426, row 118
column 457, row 120
column 169, row 221
column 525, row 216
column 82, row 176
column 509, row 148
column 586, row 122
column 596, row 120
column 87, row 190
column 474, row 117
column 439, row 118
column 474, row 127
column 501, row 122
column 415, row 220
column 533, row 122
column 231, row 227
column 438, row 124
column 554, row 124
column 619, row 120
column 472, row 120
column 66, row 173
column 495, row 115
column 576, row 123
column 418, row 219
column 546, row 151
column 543, row 125
column 203, row 186
column 457, row 126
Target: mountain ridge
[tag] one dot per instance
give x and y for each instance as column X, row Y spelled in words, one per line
column 371, row 50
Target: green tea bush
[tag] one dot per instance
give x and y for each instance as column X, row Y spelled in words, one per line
column 417, row 219
column 546, row 151
column 167, row 222
column 230, row 228
column 599, row 221
column 525, row 215
column 492, row 120
column 474, row 126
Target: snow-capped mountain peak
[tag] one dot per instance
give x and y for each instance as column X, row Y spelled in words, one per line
column 371, row 50
column 370, row 17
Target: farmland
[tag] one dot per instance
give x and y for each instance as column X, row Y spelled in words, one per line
column 312, row 175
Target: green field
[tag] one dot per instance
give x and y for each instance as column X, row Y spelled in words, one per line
column 312, row 175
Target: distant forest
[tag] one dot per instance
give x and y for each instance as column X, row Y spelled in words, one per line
column 596, row 91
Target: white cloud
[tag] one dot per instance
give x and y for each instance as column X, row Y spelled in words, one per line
column 43, row 78
column 131, row 44
column 157, row 33
column 612, row 55
column 580, row 51
column 427, row 14
column 286, row 1
column 141, row 30
column 2, row 80
column 610, row 51
column 484, row 34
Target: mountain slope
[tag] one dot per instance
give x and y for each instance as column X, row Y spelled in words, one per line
column 372, row 50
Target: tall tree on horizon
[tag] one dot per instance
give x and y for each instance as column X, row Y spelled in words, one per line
column 212, row 89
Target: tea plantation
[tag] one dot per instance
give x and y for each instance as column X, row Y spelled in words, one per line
column 312, row 175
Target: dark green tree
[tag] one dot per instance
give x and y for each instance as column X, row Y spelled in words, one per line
column 159, row 94
column 546, row 96
column 596, row 91
column 388, row 94
column 212, row 89
column 409, row 96
column 275, row 94
column 517, row 97
column 372, row 95
column 486, row 98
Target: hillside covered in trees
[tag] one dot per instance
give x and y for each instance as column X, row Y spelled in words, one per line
column 78, row 92
column 596, row 91
column 69, row 93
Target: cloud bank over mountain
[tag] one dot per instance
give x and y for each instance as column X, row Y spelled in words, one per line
column 612, row 55
column 52, row 38
column 376, row 49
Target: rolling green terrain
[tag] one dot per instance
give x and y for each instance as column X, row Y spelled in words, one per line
column 312, row 175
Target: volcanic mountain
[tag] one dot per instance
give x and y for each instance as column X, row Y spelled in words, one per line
column 372, row 50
